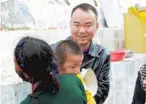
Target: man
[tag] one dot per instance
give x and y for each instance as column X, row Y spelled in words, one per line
column 83, row 28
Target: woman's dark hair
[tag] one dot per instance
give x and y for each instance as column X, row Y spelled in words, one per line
column 35, row 57
column 66, row 47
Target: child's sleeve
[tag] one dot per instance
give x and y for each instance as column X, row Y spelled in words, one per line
column 90, row 99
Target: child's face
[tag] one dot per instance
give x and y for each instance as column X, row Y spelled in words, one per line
column 72, row 64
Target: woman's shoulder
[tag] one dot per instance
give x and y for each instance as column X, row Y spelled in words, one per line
column 73, row 89
column 26, row 100
column 69, row 79
column 65, row 75
column 70, row 83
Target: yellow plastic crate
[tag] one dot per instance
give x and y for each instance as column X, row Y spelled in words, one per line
column 135, row 28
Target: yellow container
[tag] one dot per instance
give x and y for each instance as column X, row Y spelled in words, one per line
column 135, row 28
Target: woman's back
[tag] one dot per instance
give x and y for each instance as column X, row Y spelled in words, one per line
column 34, row 64
column 71, row 92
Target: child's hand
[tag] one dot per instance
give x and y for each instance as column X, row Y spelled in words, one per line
column 88, row 103
column 91, row 102
column 90, row 99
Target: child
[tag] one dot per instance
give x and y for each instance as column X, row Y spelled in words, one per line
column 70, row 57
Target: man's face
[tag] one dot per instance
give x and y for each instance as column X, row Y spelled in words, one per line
column 83, row 26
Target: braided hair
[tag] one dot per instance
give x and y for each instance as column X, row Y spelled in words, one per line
column 35, row 57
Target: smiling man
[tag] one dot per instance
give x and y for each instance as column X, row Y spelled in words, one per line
column 83, row 28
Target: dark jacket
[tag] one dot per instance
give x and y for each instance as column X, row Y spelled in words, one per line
column 97, row 58
column 71, row 92
column 139, row 94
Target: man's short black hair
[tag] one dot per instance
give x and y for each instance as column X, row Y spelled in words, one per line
column 85, row 7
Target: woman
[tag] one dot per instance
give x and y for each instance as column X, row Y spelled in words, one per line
column 33, row 63
column 140, row 87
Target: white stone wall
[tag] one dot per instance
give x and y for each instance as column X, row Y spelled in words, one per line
column 123, row 77
column 14, row 93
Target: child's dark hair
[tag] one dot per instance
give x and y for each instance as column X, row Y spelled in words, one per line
column 35, row 56
column 66, row 47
